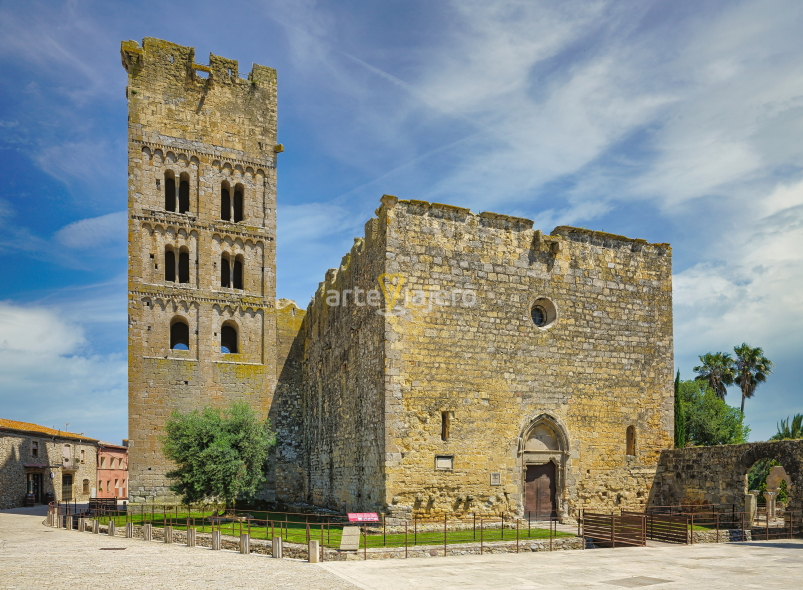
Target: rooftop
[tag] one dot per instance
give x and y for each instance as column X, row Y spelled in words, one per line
column 30, row 427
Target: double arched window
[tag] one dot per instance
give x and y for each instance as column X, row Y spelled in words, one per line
column 182, row 270
column 231, row 202
column 179, row 335
column 183, row 200
column 231, row 271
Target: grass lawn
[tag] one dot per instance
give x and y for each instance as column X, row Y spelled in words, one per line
column 296, row 531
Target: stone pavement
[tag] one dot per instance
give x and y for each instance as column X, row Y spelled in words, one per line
column 761, row 564
column 35, row 556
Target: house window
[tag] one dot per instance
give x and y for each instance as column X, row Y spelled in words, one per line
column 34, row 448
column 238, row 203
column 238, row 273
column 103, row 462
column 179, row 335
column 225, row 202
column 85, row 488
column 83, row 458
column 631, row 440
column 184, row 267
column 184, row 193
column 100, row 486
column 170, row 191
column 228, row 340
column 170, row 266
column 225, row 272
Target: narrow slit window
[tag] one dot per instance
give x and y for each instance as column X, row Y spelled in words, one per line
column 225, row 204
column 238, row 274
column 170, row 266
column 170, row 192
column 228, row 340
column 225, row 272
column 184, row 267
column 631, row 440
column 238, row 203
column 184, row 193
column 445, row 426
column 179, row 336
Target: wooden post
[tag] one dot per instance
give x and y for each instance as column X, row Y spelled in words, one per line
column 444, row 535
column 365, row 541
column 405, row 538
column 517, row 535
column 481, row 544
column 717, row 527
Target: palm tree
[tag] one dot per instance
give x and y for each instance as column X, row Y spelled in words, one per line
column 752, row 368
column 718, row 369
column 790, row 431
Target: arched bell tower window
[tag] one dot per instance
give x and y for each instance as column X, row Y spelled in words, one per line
column 184, row 193
column 238, row 203
column 179, row 335
column 170, row 266
column 225, row 271
column 237, row 275
column 228, row 339
column 631, row 441
column 170, row 191
column 184, row 266
column 225, row 202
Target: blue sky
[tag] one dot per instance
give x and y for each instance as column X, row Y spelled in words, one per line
column 672, row 121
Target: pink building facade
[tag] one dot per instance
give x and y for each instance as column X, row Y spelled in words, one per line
column 112, row 471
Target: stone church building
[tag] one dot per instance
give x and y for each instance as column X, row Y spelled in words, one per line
column 453, row 362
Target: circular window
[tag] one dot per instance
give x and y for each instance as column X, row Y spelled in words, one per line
column 543, row 312
column 538, row 314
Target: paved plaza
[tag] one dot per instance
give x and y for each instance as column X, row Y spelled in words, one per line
column 33, row 555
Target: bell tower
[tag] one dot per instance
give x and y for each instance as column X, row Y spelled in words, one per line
column 201, row 243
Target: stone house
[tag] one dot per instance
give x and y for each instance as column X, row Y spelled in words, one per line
column 454, row 362
column 112, row 471
column 54, row 464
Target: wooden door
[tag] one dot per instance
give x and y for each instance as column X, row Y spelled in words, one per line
column 66, row 487
column 539, row 491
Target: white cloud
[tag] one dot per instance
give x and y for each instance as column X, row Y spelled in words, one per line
column 49, row 374
column 94, row 232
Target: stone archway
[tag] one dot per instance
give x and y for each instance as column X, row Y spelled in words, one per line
column 542, row 460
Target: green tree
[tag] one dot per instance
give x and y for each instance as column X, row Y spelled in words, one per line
column 218, row 455
column 718, row 369
column 680, row 418
column 709, row 420
column 787, row 430
column 752, row 368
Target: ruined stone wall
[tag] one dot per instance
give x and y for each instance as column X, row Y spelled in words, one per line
column 16, row 453
column 604, row 363
column 286, row 476
column 718, row 475
column 342, row 395
column 211, row 128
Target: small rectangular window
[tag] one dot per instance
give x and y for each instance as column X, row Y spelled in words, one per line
column 103, row 462
column 444, row 426
column 100, row 486
column 83, row 456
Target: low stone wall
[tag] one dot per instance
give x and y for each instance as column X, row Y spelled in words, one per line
column 300, row 551
column 724, row 536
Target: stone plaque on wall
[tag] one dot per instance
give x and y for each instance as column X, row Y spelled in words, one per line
column 496, row 479
column 444, row 462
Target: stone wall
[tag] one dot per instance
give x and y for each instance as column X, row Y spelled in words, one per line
column 718, row 475
column 342, row 399
column 459, row 345
column 210, row 128
column 16, row 453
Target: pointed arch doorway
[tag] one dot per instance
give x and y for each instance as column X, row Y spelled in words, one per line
column 543, row 450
